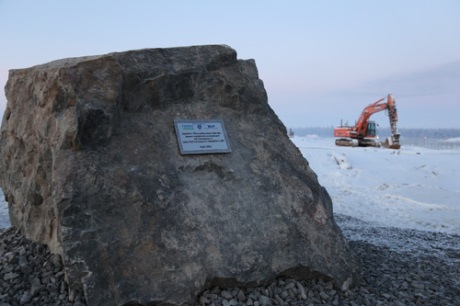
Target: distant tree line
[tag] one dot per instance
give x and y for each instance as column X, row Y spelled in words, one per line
column 320, row 131
column 428, row 138
column 429, row 133
column 384, row 132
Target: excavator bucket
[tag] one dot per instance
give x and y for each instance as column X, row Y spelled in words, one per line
column 392, row 142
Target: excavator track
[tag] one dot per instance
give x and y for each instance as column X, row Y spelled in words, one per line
column 343, row 142
column 369, row 143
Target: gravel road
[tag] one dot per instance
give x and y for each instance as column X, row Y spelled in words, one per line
column 399, row 267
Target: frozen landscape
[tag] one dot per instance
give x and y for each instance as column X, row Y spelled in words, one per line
column 414, row 187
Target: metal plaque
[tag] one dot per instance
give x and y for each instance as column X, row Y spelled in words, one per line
column 201, row 136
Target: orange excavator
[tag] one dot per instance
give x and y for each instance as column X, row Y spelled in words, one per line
column 364, row 133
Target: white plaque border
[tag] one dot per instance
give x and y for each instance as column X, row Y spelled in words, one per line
column 180, row 136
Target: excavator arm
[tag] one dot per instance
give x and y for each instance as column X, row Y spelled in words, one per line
column 368, row 111
column 378, row 106
column 393, row 143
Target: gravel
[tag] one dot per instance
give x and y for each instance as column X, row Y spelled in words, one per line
column 399, row 267
column 31, row 275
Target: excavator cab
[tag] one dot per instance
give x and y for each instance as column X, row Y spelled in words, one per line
column 371, row 129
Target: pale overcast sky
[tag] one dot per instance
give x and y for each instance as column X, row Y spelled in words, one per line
column 321, row 61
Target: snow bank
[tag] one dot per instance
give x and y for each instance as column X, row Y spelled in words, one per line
column 413, row 187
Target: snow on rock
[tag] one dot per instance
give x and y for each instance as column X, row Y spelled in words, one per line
column 4, row 216
column 413, row 187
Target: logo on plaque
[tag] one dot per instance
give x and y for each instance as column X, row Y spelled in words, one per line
column 201, row 136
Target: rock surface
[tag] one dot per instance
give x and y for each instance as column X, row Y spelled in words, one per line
column 90, row 166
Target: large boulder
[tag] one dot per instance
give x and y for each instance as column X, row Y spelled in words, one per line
column 91, row 166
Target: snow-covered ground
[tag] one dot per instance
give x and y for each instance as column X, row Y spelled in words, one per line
column 413, row 187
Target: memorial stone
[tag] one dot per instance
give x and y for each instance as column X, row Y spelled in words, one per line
column 91, row 165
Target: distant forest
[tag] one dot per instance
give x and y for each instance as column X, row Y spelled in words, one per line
column 384, row 132
column 428, row 138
